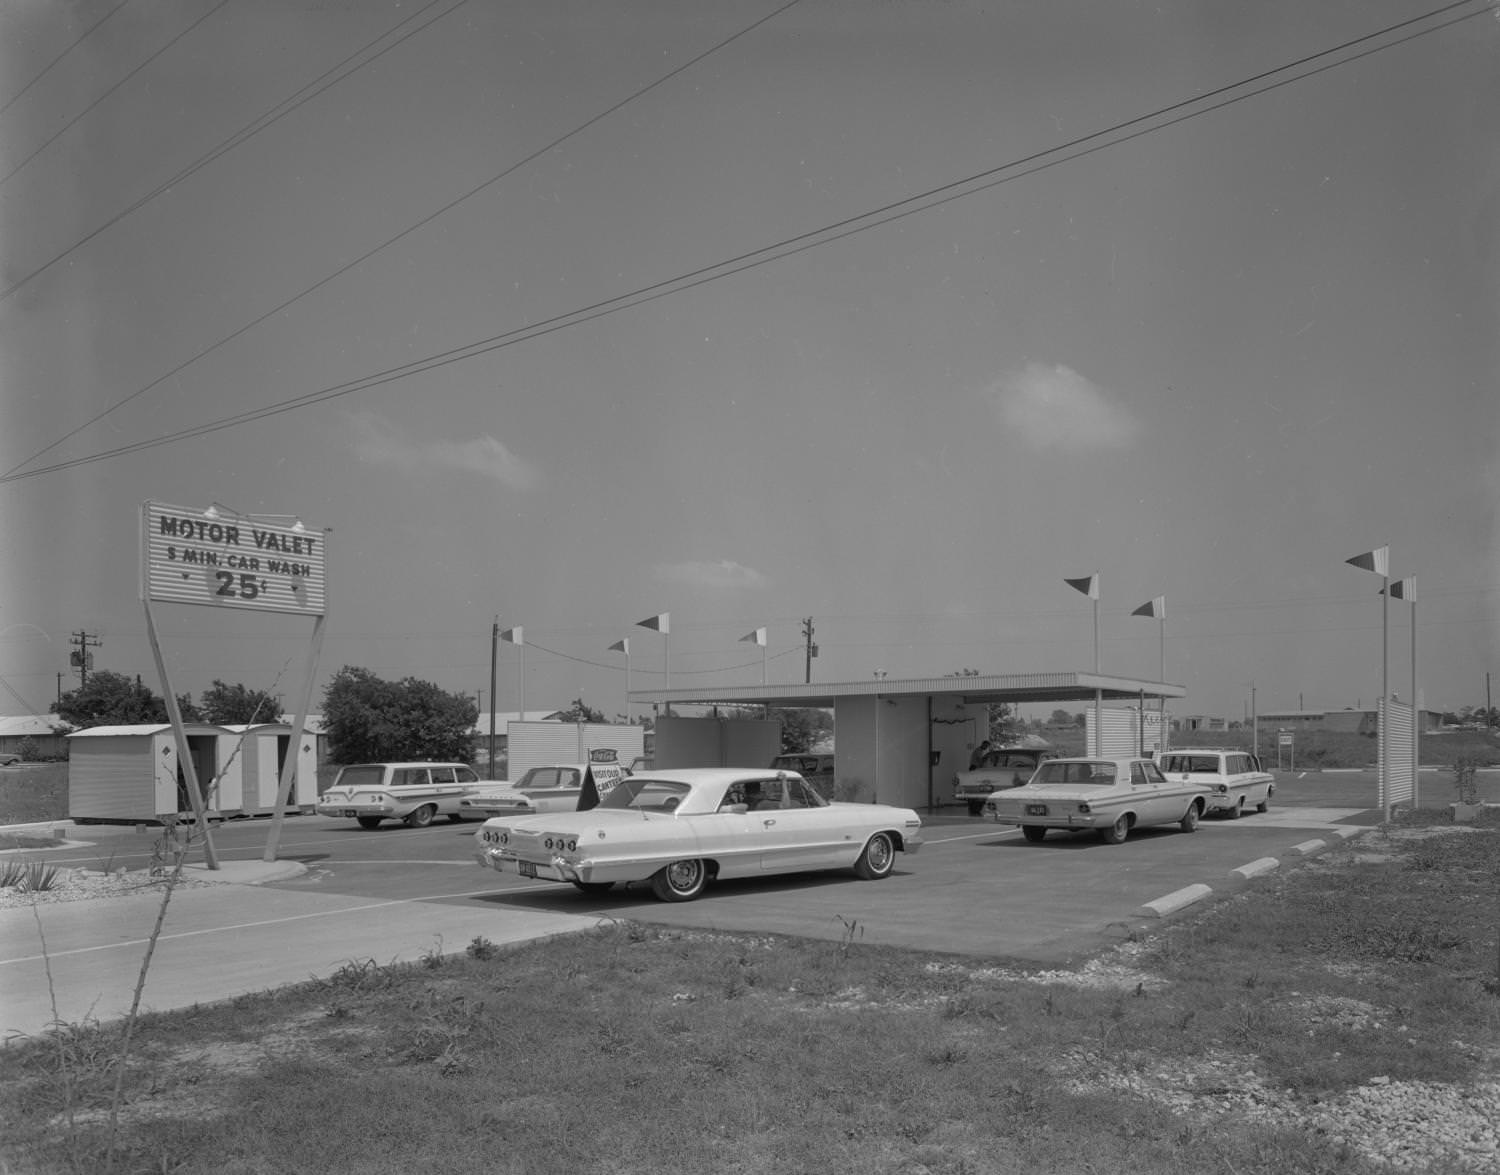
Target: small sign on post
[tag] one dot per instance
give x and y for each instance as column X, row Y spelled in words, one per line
column 1284, row 739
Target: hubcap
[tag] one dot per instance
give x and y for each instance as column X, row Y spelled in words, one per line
column 683, row 875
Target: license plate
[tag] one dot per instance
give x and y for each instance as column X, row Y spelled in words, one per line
column 350, row 813
column 525, row 868
column 1036, row 809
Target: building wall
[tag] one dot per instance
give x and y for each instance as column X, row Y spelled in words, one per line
column 882, row 754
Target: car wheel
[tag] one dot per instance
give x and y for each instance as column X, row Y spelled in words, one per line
column 1115, row 834
column 976, row 807
column 595, row 887
column 1265, row 804
column 368, row 821
column 1189, row 822
column 1033, row 832
column 1237, row 811
column 877, row 859
column 421, row 817
column 681, row 881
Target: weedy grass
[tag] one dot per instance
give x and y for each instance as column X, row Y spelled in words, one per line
column 634, row 1049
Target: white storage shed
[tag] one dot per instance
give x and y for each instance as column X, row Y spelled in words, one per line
column 131, row 773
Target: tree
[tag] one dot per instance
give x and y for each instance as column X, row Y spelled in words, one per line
column 803, row 729
column 1061, row 718
column 369, row 719
column 113, row 699
column 580, row 712
column 235, row 705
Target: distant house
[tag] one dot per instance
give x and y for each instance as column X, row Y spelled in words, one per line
column 1199, row 722
column 46, row 732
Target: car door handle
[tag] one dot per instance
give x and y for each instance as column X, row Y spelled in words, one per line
column 767, row 823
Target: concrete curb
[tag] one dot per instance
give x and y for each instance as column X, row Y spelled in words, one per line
column 1176, row 900
column 1308, row 847
column 1256, row 868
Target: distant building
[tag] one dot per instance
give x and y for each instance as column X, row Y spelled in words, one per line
column 1199, row 722
column 47, row 733
column 1349, row 721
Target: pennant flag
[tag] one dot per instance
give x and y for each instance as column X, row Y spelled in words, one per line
column 515, row 636
column 621, row 646
column 662, row 623
column 1378, row 561
column 1089, row 585
column 1156, row 609
column 1404, row 589
column 589, row 796
column 758, row 636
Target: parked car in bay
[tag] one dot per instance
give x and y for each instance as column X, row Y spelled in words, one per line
column 552, row 788
column 1236, row 778
column 1110, row 796
column 416, row 792
column 680, row 830
column 1001, row 768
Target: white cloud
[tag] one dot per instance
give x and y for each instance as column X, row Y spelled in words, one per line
column 376, row 441
column 1056, row 408
column 723, row 574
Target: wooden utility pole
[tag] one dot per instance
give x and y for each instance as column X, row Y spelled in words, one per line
column 812, row 649
column 80, row 660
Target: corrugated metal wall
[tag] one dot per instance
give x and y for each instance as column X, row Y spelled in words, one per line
column 1400, row 783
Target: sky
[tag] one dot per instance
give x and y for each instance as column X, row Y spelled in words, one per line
column 563, row 314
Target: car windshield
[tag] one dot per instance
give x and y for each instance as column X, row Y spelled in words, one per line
column 645, row 794
column 1099, row 773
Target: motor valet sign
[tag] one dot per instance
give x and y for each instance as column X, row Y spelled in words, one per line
column 228, row 561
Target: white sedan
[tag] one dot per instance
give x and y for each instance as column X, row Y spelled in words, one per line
column 680, row 829
column 1108, row 796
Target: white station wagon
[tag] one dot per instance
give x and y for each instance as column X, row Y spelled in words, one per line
column 1236, row 777
column 416, row 793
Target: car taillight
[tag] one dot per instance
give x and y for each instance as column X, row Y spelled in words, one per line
column 1222, row 789
column 1083, row 807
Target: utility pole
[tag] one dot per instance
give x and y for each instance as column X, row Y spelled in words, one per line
column 494, row 653
column 812, row 649
column 81, row 658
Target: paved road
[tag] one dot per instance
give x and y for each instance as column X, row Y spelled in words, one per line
column 341, row 894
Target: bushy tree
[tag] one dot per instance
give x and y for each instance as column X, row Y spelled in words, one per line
column 581, row 712
column 803, row 728
column 113, row 699
column 369, row 719
column 238, row 705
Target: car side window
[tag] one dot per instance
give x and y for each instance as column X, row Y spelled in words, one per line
column 443, row 775
column 1138, row 775
column 412, row 776
column 569, row 777
column 466, row 775
column 1153, row 773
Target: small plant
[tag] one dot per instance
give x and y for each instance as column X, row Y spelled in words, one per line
column 481, row 948
column 1466, row 779
column 28, row 877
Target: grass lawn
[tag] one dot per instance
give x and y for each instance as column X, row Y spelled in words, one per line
column 1329, row 1013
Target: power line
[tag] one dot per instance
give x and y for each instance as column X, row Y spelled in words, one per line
column 46, row 69
column 1114, row 135
column 81, row 114
column 522, row 162
column 319, row 85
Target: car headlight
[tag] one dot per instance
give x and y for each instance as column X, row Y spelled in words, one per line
column 1083, row 808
